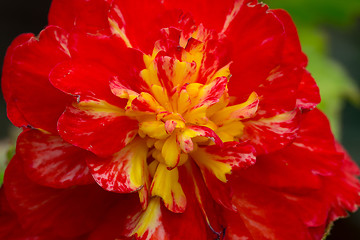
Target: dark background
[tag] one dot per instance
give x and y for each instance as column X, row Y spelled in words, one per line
column 20, row 16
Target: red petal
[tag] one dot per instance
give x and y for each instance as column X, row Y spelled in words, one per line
column 18, row 41
column 292, row 53
column 165, row 184
column 258, row 37
column 113, row 226
column 141, row 34
column 108, row 51
column 315, row 144
column 216, row 162
column 65, row 212
column 235, row 227
column 316, row 151
column 11, row 229
column 146, row 103
column 201, row 9
column 217, row 54
column 27, row 77
column 349, row 165
column 266, row 214
column 50, row 161
column 271, row 134
column 279, row 170
column 97, row 126
column 212, row 92
column 220, row 192
column 130, row 83
column 309, row 174
column 15, row 115
column 245, row 110
column 344, row 194
column 13, row 112
column 308, row 95
column 168, row 73
column 201, row 131
column 195, row 187
column 89, row 16
column 196, row 221
column 123, row 172
column 337, row 195
column 278, row 93
column 84, row 79
column 159, row 223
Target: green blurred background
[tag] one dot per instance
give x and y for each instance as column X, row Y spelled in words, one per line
column 329, row 31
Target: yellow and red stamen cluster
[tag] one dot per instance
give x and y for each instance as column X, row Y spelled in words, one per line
column 178, row 116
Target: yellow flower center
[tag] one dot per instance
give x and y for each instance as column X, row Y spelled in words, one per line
column 177, row 113
column 183, row 107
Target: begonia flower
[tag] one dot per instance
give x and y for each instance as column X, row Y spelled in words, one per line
column 169, row 119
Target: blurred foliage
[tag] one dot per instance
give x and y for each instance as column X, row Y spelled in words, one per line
column 310, row 12
column 7, row 150
column 311, row 17
column 5, row 159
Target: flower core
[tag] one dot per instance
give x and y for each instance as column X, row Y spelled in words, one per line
column 180, row 111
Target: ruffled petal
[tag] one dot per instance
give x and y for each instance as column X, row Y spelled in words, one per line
column 311, row 173
column 266, row 214
column 220, row 160
column 184, row 139
column 50, row 161
column 114, row 225
column 279, row 92
column 211, row 93
column 166, row 185
column 18, row 41
column 27, row 69
column 257, row 36
column 292, row 53
column 200, row 10
column 84, row 80
column 216, row 162
column 272, row 170
column 67, row 213
column 195, row 187
column 10, row 227
column 235, row 227
column 171, row 72
column 124, row 22
column 271, row 134
column 97, row 126
column 339, row 189
column 108, row 51
column 241, row 111
column 88, row 16
column 308, row 94
column 13, row 112
column 157, row 222
column 315, row 145
column 125, row 171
